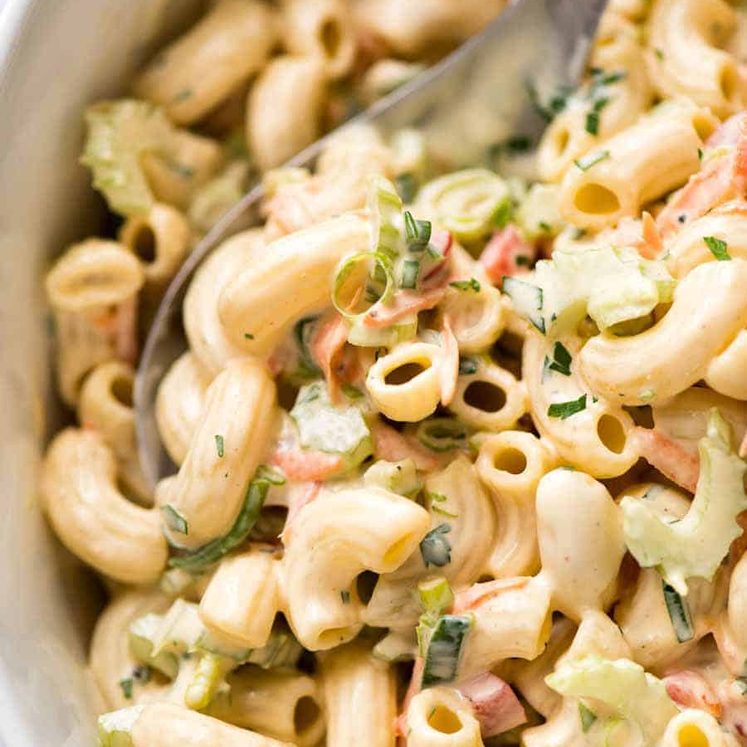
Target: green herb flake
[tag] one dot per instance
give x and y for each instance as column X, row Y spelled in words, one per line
column 126, row 683
column 718, row 248
column 468, row 366
column 435, row 500
column 406, row 185
column 592, row 159
column 219, row 445
column 564, row 410
column 579, row 234
column 679, row 613
column 174, row 520
column 248, row 336
column 587, row 716
column 592, row 123
column 659, row 54
column 183, row 95
column 700, row 154
column 345, row 596
column 410, row 272
column 435, row 548
column 561, row 360
column 467, row 285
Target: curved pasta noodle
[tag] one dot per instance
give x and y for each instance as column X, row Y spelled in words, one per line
column 161, row 240
column 282, row 704
column 194, row 160
column 334, row 539
column 321, row 29
column 696, row 728
column 208, row 341
column 92, row 518
column 242, row 599
column 687, row 250
column 209, row 488
column 284, row 109
column 489, row 399
column 442, row 717
column 437, row 23
column 674, row 353
column 360, row 694
column 92, row 290
column 110, row 657
column 180, row 403
column 106, row 406
column 267, row 296
column 725, row 373
column 169, row 725
column 511, row 465
column 579, row 561
column 568, row 138
column 399, row 397
column 680, row 31
column 594, row 439
column 457, row 501
column 641, row 163
column 204, row 66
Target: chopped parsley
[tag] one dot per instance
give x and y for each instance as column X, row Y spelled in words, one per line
column 587, row 716
column 561, row 360
column 592, row 122
column 126, row 683
column 467, row 285
column 219, row 445
column 718, row 248
column 700, row 154
column 174, row 520
column 248, row 336
column 592, row 159
column 435, row 548
column 345, row 596
column 659, row 54
column 564, row 410
column 406, row 187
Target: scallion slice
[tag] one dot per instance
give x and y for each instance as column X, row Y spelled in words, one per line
column 442, row 434
column 679, row 613
column 410, row 272
column 445, row 648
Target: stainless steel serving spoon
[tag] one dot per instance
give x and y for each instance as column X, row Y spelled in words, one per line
column 484, row 92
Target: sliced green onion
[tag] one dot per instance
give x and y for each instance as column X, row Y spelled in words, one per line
column 442, row 434
column 417, row 232
column 679, row 613
column 473, row 284
column 564, row 410
column 435, row 548
column 213, row 551
column 410, row 272
column 126, row 683
column 367, row 271
column 435, row 595
column 467, row 366
column 385, row 207
column 445, row 648
column 174, row 520
column 592, row 159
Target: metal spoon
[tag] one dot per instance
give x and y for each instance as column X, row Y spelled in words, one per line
column 479, row 95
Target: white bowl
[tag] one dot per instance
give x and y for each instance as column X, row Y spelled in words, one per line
column 56, row 56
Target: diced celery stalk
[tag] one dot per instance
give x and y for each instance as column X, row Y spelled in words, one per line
column 397, row 477
column 115, row 727
column 623, row 686
column 333, row 429
column 119, row 133
column 465, row 202
column 180, row 629
column 695, row 545
column 142, row 637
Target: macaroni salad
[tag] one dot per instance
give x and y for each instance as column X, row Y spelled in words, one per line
column 458, row 456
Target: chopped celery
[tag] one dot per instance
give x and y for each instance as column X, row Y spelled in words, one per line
column 623, row 686
column 119, row 133
column 115, row 727
column 396, row 477
column 695, row 545
column 208, row 677
column 333, row 429
column 385, row 207
column 613, row 286
column 142, row 638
